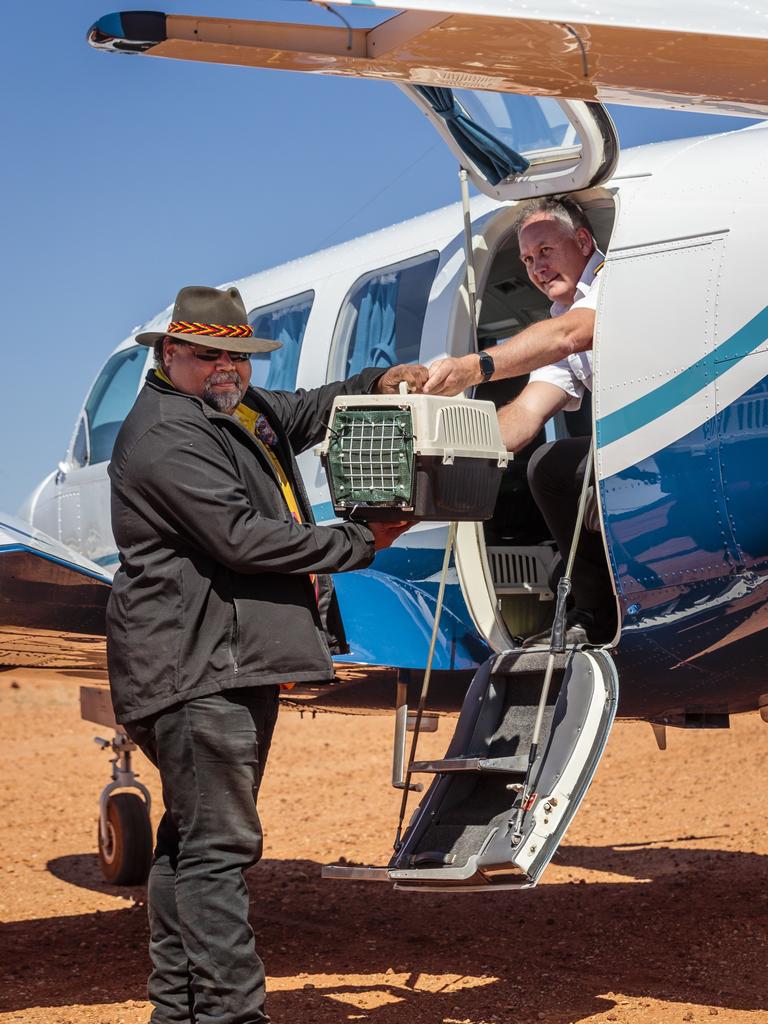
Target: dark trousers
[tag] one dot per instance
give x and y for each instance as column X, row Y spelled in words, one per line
column 555, row 475
column 211, row 754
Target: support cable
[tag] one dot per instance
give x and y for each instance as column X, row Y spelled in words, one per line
column 556, row 646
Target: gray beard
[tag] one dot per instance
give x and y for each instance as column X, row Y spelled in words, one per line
column 222, row 401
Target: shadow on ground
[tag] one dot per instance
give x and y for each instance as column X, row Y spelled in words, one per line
column 554, row 951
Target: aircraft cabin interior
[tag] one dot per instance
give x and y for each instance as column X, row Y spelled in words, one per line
column 521, row 554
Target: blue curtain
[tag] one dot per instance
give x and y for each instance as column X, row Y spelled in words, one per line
column 492, row 157
column 375, row 338
column 288, row 328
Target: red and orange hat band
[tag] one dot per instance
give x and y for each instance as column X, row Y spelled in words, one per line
column 211, row 330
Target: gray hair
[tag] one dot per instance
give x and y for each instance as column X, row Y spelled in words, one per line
column 158, row 349
column 565, row 210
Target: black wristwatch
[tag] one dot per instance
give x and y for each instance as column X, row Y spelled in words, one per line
column 487, row 365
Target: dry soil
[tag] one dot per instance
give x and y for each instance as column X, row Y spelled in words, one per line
column 654, row 910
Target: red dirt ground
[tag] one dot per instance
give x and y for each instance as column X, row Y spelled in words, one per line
column 654, row 910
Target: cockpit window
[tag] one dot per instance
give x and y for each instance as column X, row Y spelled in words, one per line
column 382, row 316
column 284, row 321
column 110, row 401
column 80, row 444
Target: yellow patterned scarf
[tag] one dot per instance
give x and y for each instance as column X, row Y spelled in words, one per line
column 248, row 418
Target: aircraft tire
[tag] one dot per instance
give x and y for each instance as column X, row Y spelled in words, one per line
column 127, row 856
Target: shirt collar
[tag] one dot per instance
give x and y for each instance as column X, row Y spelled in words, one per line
column 585, row 282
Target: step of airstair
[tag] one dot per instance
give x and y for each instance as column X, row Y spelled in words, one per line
column 507, row 765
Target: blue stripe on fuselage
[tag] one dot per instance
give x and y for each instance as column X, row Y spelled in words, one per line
column 684, row 385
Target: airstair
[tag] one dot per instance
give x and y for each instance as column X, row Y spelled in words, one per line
column 489, row 818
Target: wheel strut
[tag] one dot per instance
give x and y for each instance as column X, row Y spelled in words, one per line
column 123, row 777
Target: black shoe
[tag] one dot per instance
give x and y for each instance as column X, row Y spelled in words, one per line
column 575, row 636
column 582, row 627
column 599, row 626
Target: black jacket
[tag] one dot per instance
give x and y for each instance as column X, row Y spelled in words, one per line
column 213, row 589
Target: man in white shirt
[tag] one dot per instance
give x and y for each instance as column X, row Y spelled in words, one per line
column 562, row 261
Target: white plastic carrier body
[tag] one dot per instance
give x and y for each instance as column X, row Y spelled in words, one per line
column 446, row 427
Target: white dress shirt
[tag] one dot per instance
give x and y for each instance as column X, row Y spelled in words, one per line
column 574, row 373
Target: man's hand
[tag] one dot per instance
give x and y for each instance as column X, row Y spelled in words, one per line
column 385, row 534
column 453, row 375
column 414, row 376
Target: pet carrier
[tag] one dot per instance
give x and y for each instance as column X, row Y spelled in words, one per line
column 418, row 457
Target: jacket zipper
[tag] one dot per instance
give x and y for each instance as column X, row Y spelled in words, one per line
column 234, row 647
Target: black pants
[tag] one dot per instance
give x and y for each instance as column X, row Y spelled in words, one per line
column 555, row 475
column 211, row 754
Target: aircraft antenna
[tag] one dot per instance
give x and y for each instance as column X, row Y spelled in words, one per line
column 342, row 19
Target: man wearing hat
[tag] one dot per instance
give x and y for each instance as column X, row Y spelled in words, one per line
column 221, row 596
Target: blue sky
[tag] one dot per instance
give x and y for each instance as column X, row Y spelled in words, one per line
column 125, row 178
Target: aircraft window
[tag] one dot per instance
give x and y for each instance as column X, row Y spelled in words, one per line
column 382, row 316
column 111, row 399
column 283, row 321
column 80, row 444
column 524, row 123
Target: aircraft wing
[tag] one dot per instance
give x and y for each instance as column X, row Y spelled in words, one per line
column 52, row 603
column 707, row 56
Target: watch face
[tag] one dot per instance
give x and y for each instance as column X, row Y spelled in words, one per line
column 487, row 365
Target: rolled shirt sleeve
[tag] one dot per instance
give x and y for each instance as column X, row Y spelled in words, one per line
column 562, row 376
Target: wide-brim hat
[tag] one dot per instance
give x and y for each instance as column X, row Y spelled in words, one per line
column 214, row 317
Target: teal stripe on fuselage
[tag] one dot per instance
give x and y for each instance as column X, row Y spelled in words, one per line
column 111, row 559
column 685, row 385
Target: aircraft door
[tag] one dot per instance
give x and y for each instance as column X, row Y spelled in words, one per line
column 658, row 458
column 82, row 485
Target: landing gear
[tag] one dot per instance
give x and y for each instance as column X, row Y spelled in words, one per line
column 126, row 856
column 125, row 832
column 124, row 837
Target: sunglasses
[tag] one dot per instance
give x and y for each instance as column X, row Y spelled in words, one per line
column 212, row 355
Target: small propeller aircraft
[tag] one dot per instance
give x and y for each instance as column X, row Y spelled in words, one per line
column 680, row 402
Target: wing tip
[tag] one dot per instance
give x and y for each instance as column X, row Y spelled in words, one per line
column 128, row 31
